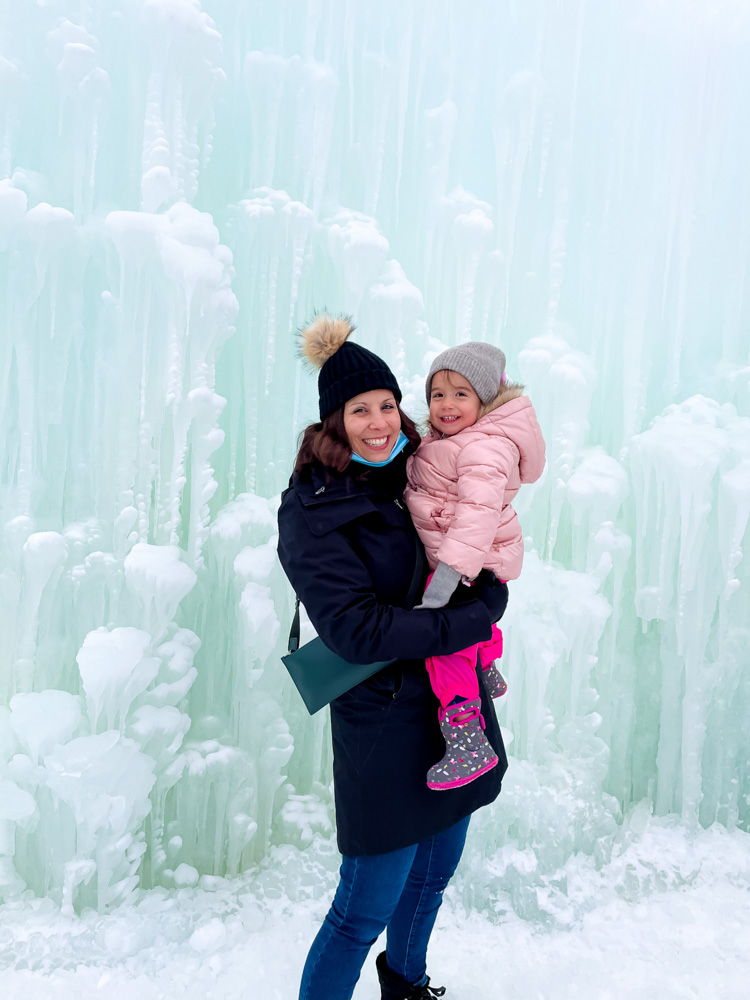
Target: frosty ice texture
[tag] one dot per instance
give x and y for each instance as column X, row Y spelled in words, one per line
column 181, row 184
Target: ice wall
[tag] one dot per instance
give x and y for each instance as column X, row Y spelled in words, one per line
column 181, row 184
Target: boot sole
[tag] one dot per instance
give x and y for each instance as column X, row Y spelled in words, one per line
column 445, row 786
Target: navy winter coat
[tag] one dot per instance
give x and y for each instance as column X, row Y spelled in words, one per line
column 348, row 547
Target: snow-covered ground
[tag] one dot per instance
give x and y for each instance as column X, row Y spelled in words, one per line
column 667, row 918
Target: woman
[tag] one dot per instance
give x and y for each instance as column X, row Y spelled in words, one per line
column 348, row 546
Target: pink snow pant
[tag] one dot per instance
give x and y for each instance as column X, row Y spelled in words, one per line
column 455, row 675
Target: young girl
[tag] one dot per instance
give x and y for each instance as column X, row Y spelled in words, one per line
column 484, row 442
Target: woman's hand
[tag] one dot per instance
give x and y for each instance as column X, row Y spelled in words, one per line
column 493, row 593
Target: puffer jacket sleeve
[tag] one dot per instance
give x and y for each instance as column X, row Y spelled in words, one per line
column 483, row 468
column 337, row 591
column 532, row 448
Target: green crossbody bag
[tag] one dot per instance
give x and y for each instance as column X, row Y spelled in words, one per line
column 319, row 674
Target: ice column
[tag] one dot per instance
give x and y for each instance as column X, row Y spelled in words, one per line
column 687, row 468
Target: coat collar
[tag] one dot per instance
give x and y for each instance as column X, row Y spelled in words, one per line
column 508, row 391
column 323, row 488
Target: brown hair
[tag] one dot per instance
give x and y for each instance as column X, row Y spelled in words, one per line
column 327, row 442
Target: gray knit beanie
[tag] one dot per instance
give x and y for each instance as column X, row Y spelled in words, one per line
column 482, row 365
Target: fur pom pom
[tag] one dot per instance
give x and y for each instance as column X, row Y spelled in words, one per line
column 323, row 337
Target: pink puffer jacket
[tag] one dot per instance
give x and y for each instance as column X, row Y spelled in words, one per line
column 461, row 487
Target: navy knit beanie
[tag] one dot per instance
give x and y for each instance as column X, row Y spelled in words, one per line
column 346, row 369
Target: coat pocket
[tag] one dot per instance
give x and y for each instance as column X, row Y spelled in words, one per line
column 362, row 714
column 385, row 683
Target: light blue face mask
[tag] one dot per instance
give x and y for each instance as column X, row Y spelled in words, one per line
column 398, row 447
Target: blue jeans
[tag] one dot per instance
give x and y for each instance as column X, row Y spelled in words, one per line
column 401, row 890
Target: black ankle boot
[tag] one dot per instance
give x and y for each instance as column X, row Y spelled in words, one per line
column 393, row 987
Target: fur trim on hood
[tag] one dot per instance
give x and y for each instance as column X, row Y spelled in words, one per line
column 508, row 391
column 322, row 338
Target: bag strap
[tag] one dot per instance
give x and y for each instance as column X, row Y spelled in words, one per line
column 411, row 597
column 294, row 630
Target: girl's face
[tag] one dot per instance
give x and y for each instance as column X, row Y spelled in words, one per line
column 453, row 403
column 372, row 424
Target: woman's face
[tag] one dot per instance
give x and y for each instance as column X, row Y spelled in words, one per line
column 372, row 423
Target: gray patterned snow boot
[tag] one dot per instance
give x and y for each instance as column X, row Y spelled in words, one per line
column 496, row 683
column 393, row 987
column 467, row 752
